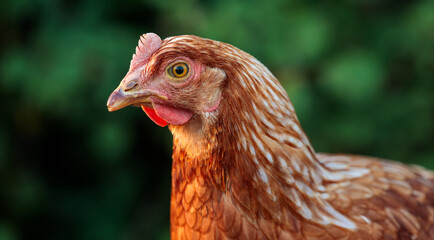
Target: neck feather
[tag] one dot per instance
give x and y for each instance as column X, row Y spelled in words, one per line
column 253, row 148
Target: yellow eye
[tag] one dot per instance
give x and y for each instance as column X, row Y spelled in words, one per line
column 179, row 70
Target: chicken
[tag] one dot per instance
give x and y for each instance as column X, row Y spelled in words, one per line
column 242, row 166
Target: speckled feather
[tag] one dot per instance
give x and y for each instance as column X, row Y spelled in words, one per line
column 248, row 171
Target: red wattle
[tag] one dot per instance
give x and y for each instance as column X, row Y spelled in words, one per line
column 154, row 117
column 172, row 115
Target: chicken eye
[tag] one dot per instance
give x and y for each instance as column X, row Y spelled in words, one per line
column 179, row 70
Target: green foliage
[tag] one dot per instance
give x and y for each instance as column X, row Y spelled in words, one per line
column 360, row 74
column 354, row 77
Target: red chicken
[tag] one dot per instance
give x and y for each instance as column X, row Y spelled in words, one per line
column 242, row 166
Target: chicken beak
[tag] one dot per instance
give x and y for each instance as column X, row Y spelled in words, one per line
column 121, row 98
column 131, row 92
column 117, row 100
column 124, row 96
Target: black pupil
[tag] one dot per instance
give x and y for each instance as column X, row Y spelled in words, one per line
column 179, row 70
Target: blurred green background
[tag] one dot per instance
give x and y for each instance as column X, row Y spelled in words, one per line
column 360, row 74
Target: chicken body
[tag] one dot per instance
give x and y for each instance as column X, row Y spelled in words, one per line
column 242, row 166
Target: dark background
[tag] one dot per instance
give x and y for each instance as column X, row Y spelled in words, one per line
column 359, row 72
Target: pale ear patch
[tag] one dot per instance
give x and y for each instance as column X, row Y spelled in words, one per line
column 212, row 95
column 147, row 45
column 214, row 103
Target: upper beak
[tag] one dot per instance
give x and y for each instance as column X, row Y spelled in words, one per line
column 118, row 99
column 124, row 96
column 130, row 92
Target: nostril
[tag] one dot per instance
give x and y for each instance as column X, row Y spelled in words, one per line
column 130, row 85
